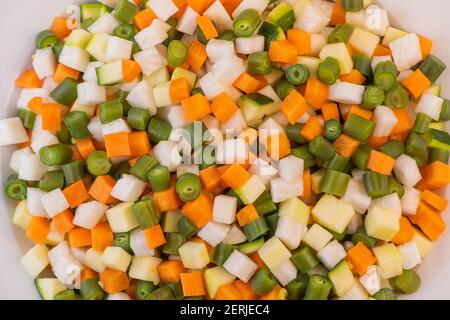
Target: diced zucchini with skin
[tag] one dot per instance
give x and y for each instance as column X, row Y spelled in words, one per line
column 78, row 38
column 289, row 231
column 251, row 247
column 95, row 10
column 317, row 237
column 161, row 93
column 116, row 258
column 364, row 42
column 49, row 287
column 22, row 215
column 331, row 254
column 224, row 209
column 342, row 278
column 121, row 217
column 295, row 208
column 338, row 51
column 75, row 58
column 254, row 106
column 214, row 233
column 423, row 243
column 183, row 73
column 392, row 34
column 410, row 255
column 93, row 260
column 332, row 213
column 251, row 190
column 406, row 51
column 285, row 273
column 109, row 74
column 215, row 277
column 274, row 253
column 241, row 266
column 97, row 46
column 35, row 260
column 371, row 280
column 382, row 223
column 145, row 268
column 389, row 259
column 194, row 255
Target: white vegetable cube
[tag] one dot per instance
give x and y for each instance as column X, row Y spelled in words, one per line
column 31, row 168
column 44, row 63
column 214, row 233
column 377, row 20
column 285, row 273
column 121, row 218
column 138, row 243
column 153, row 35
column 290, row 168
column 235, row 235
column 145, row 268
column 332, row 213
column 211, row 86
column 296, row 209
column 231, row 151
column 216, row 277
column 282, row 190
column 389, row 259
column 116, row 126
column 219, row 49
column 116, row 258
column 128, row 188
column 430, row 105
column 22, row 215
column 250, row 45
column 228, row 69
column 217, row 13
column 317, row 237
column 88, row 109
column 264, row 170
column 331, row 254
column 406, row 51
column 224, row 209
column 390, row 201
column 118, row 49
column 406, row 171
column 236, row 123
column 75, row 58
column 42, row 138
column 93, row 260
column 150, row 60
column 97, row 46
column 410, row 201
column 194, row 255
column 188, row 21
column 385, row 121
column 364, row 42
column 89, row 214
column 423, row 243
column 141, row 96
column 34, row 202
column 35, row 260
column 251, row 190
column 176, row 117
column 54, row 202
column 105, row 24
column 410, row 255
column 163, row 9
column 357, row 196
column 14, row 163
column 12, row 132
column 95, row 128
column 166, row 152
column 289, row 231
column 312, row 20
column 392, row 34
column 371, row 280
column 318, row 41
column 110, row 74
column 346, row 93
column 273, row 252
column 342, row 278
column 382, row 223
column 26, row 95
column 340, row 52
column 161, row 94
column 239, row 265
column 90, row 93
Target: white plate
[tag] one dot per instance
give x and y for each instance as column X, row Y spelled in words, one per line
column 19, row 27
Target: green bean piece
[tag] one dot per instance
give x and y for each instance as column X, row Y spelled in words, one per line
column 122, row 95
column 208, row 158
column 68, row 294
column 56, row 154
column 247, row 23
column 393, row 148
column 282, row 16
column 385, row 75
column 297, row 74
column 125, row 31
column 341, row 33
column 376, row 184
column 125, row 11
column 16, row 189
column 332, row 129
column 143, row 4
column 397, row 97
column 66, row 92
column 338, row 236
column 264, row 203
column 385, row 294
column 227, row 35
column 45, row 39
column 296, row 288
column 110, row 110
column 256, row 229
column 302, row 152
column 27, row 117
column 173, row 242
column 445, row 111
column 98, row 163
column 352, row 5
column 64, row 135
column 186, row 227
column 173, row 33
column 91, row 290
column 188, row 187
column 272, row 221
column 372, row 98
column 144, row 288
column 221, row 253
column 177, row 53
column 293, row 133
column 163, row 293
column 359, row 128
column 77, row 122
column 122, row 240
column 51, row 180
column 142, row 166
column 321, row 148
column 196, row 136
column 337, row 163
column 138, row 118
column 432, row 68
column 422, row 123
column 258, row 63
column 159, row 178
column 304, row 259
column 284, row 88
column 176, row 288
column 408, row 282
column 416, row 146
column 361, row 235
column 329, row 70
column 122, row 168
column 270, row 33
column 363, row 65
column 437, row 154
column 197, row 90
column 334, row 182
column 57, row 49
column 395, row 186
column 73, row 171
column 158, row 130
column 263, row 281
column 319, row 288
column 145, row 213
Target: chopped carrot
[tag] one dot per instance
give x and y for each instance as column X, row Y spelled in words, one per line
column 228, row 291
column 179, row 90
column 360, row 257
column 434, row 200
column 437, row 175
column 200, row 5
column 231, row 5
column 76, row 194
column 247, row 83
column 197, row 55
column 282, row 51
column 51, row 117
column 381, row 51
column 312, row 129
column 117, row 145
column 102, row 236
column 406, row 232
column 155, row 236
column 363, row 113
column 380, row 162
column 249, row 135
column 101, row 189
column 210, row 178
column 273, row 294
column 196, row 107
column 416, row 83
column 404, row 123
column 87, row 273
column 79, row 237
column 181, row 5
column 207, row 27
column 376, row 142
column 338, row 15
column 60, row 27
column 192, row 284
column 38, row 229
column 114, row 281
column 330, row 111
column 170, row 270
column 64, row 221
column 139, row 143
column 246, row 290
column 35, row 105
column 425, row 46
column 354, row 76
column 199, row 211
column 257, row 260
column 235, row 176
column 29, row 79
column 301, row 40
column 278, row 145
column 307, row 188
column 62, row 72
column 223, row 107
column 345, row 145
column 429, row 221
column 85, row 147
column 130, row 70
column 294, row 106
column 144, row 18
column 316, row 92
column 246, row 215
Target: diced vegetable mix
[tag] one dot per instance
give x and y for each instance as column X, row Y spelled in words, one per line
column 247, row 149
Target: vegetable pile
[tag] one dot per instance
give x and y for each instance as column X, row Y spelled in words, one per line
column 232, row 149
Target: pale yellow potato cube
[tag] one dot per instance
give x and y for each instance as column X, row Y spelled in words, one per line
column 145, row 268
column 317, row 237
column 251, row 190
column 381, row 223
column 332, row 213
column 273, row 252
column 93, row 260
column 161, row 93
column 316, row 179
column 215, row 277
column 116, row 258
column 22, row 216
column 121, row 218
column 311, row 62
column 194, row 255
column 423, row 243
column 392, row 34
column 340, row 52
column 296, row 209
column 364, row 42
column 160, row 75
column 35, row 260
column 342, row 278
column 389, row 259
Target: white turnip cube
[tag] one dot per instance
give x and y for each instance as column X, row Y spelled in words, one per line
column 128, row 188
column 12, row 132
column 54, row 202
column 90, row 93
column 224, row 209
column 290, row 168
column 89, row 214
column 406, row 171
column 44, row 63
column 385, row 121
